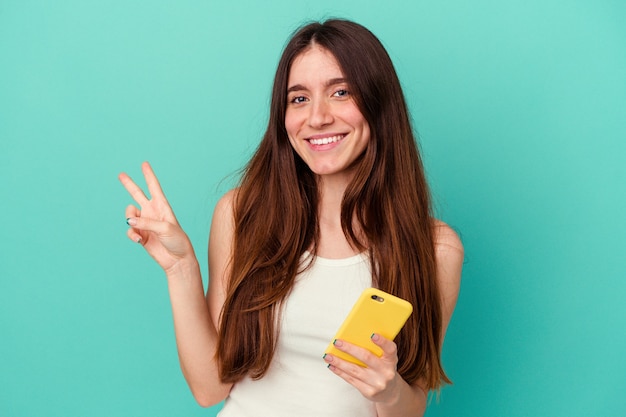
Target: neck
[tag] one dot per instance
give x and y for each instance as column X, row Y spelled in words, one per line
column 331, row 189
column 333, row 242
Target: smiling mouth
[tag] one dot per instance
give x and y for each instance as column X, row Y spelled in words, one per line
column 326, row 141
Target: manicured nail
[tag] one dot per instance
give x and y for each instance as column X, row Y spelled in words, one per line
column 131, row 221
column 374, row 337
column 337, row 343
column 324, row 357
column 138, row 240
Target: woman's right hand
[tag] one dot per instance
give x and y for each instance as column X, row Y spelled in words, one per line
column 154, row 224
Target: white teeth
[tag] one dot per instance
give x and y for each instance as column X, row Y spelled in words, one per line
column 325, row 141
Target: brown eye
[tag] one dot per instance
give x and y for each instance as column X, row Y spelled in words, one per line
column 297, row 100
column 342, row 93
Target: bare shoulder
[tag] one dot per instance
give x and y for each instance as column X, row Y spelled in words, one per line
column 449, row 254
column 222, row 227
column 447, row 239
column 224, row 207
column 448, row 247
column 220, row 252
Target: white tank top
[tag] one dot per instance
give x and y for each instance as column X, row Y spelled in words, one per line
column 298, row 382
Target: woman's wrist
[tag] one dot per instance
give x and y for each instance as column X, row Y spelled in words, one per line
column 406, row 400
column 185, row 268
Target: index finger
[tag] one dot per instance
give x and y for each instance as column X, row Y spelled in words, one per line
column 133, row 189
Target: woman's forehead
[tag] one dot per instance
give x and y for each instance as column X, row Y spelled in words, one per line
column 314, row 64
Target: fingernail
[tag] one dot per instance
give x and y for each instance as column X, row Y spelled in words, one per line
column 374, row 337
column 337, row 343
column 138, row 240
column 131, row 221
column 324, row 357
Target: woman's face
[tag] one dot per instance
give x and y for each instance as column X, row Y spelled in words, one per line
column 324, row 124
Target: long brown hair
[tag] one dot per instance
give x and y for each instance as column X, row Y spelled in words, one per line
column 276, row 205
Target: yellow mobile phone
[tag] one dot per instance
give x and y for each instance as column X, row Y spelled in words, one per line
column 374, row 312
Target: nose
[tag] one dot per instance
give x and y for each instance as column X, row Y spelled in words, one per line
column 320, row 114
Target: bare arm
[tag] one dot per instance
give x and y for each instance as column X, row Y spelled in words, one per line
column 449, row 253
column 156, row 228
column 380, row 381
column 411, row 400
column 196, row 317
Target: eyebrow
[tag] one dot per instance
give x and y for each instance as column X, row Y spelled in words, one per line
column 331, row 82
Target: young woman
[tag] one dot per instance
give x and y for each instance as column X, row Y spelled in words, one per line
column 333, row 201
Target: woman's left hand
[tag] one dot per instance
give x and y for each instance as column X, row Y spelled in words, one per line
column 378, row 381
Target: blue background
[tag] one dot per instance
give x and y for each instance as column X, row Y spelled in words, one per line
column 521, row 111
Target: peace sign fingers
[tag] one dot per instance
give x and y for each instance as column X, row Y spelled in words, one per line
column 154, row 224
column 156, row 205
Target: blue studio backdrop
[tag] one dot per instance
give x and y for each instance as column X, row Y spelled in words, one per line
column 520, row 107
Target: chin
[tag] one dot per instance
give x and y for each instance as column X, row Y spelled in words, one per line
column 329, row 172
